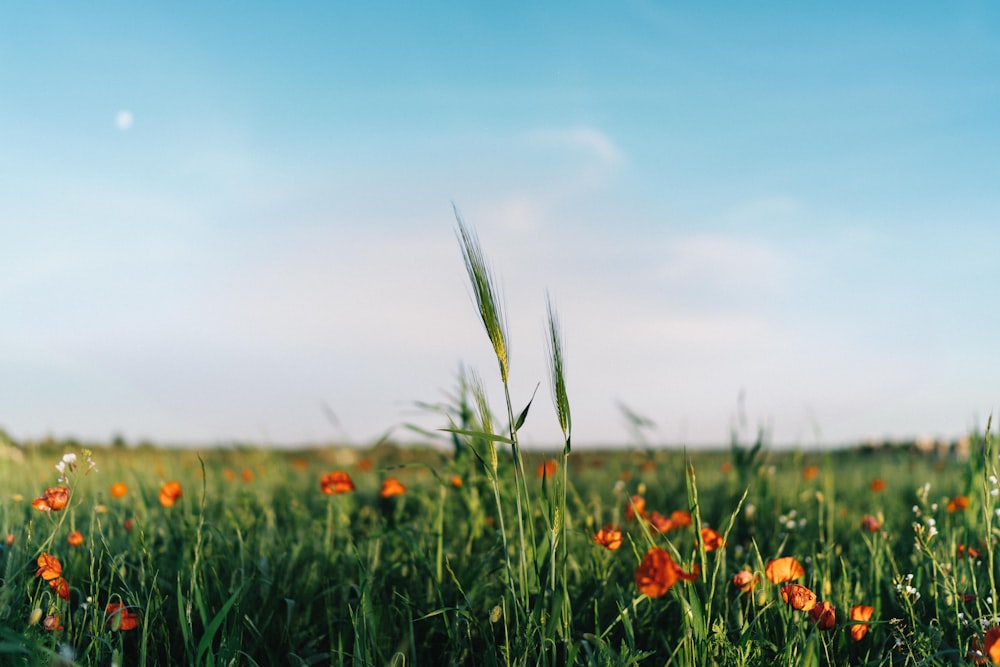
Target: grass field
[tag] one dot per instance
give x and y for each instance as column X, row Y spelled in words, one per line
column 255, row 564
column 476, row 552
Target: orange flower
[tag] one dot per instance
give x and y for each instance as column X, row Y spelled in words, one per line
column 365, row 464
column 870, row 523
column 660, row 522
column 798, row 597
column 49, row 567
column 636, row 507
column 964, row 550
column 726, row 468
column 75, row 538
column 54, row 499
column 957, row 503
column 392, row 487
column 809, row 472
column 336, row 482
column 455, row 481
column 119, row 490
column 61, row 588
column 991, row 645
column 780, row 570
column 609, row 537
column 169, row 493
column 229, row 474
column 546, row 469
column 51, row 623
column 657, row 573
column 860, row 614
column 823, row 615
column 120, row 617
column 678, row 519
column 712, row 539
column 247, row 475
column 745, row 580
column 877, row 485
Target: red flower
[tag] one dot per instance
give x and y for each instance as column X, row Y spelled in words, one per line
column 61, row 588
column 392, row 487
column 170, row 492
column 54, row 499
column 809, row 472
column 120, row 618
column 824, row 615
column 780, row 570
column 49, row 567
column 957, row 503
column 798, row 597
column 745, row 580
column 964, row 550
column 877, row 485
column 546, row 469
column 336, row 482
column 609, row 537
column 51, row 623
column 657, row 573
column 712, row 539
column 75, row 538
column 636, row 507
column 870, row 524
column 860, row 614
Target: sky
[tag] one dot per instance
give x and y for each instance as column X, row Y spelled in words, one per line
column 231, row 222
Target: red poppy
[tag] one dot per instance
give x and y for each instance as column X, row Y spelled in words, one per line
column 51, row 623
column 336, row 482
column 120, row 618
column 711, row 539
column 392, row 487
column 61, row 588
column 657, row 573
column 745, row 580
column 798, row 597
column 991, row 645
column 455, row 481
column 169, row 493
column 860, row 614
column 247, row 475
column 609, row 537
column 780, row 570
column 824, row 615
column 54, row 499
column 809, row 472
column 636, row 507
column 957, row 503
column 546, row 469
column 877, row 485
column 963, row 550
column 75, row 538
column 870, row 524
column 49, row 567
column 119, row 490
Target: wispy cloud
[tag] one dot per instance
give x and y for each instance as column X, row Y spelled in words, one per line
column 582, row 138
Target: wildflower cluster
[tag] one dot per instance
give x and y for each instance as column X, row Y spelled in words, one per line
column 801, row 598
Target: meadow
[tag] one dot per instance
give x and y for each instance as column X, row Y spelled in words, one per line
column 470, row 550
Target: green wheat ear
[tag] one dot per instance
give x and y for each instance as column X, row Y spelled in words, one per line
column 485, row 294
column 557, row 373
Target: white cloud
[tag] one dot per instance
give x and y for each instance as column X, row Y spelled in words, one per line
column 581, row 138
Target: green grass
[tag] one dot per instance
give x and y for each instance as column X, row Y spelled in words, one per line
column 481, row 560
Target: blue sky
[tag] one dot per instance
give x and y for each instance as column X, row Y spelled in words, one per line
column 793, row 203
